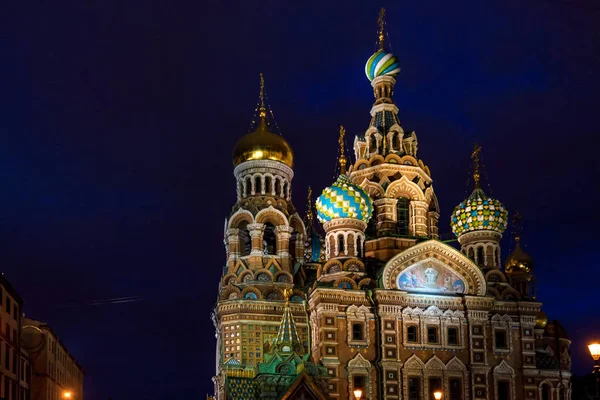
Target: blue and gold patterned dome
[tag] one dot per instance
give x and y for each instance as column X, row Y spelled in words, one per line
column 382, row 63
column 344, row 199
column 479, row 213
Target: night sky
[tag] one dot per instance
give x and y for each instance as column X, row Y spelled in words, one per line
column 119, row 117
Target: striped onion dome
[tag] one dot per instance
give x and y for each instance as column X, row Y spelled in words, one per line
column 382, row 63
column 479, row 213
column 344, row 199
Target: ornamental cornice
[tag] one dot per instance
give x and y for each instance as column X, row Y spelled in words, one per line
column 345, row 223
column 384, row 107
column 336, row 296
column 358, row 175
column 225, row 307
column 262, row 166
column 479, row 235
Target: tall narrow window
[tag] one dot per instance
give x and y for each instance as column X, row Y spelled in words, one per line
column 435, row 384
column 503, row 390
column 452, row 336
column 402, row 218
column 357, row 332
column 244, row 239
column 500, row 339
column 432, row 335
column 341, row 245
column 269, row 239
column 268, row 187
column 414, row 392
column 371, row 230
column 358, row 382
column 480, row 257
column 277, row 187
column 411, row 334
column 546, row 392
column 257, row 185
column 455, row 389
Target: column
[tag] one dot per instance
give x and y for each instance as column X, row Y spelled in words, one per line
column 386, row 216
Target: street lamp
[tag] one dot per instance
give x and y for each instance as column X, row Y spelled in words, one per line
column 358, row 394
column 595, row 352
column 67, row 395
column 437, row 395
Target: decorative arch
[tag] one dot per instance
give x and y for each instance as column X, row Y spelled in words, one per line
column 440, row 256
column 240, row 216
column 510, row 294
column 243, row 276
column 327, row 268
column 409, row 160
column 297, row 224
column 263, row 275
column 493, row 274
column 374, row 189
column 272, row 215
column 376, row 160
column 359, row 362
column 435, row 364
column 273, row 294
column 353, row 265
column 404, row 188
column 456, row 365
column 504, row 369
column 344, row 283
column 393, row 159
column 228, row 292
column 414, row 363
column 366, row 283
column 431, row 198
column 283, row 277
column 228, row 279
column 251, row 289
column 491, row 291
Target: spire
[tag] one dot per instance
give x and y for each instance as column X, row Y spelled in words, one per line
column 262, row 113
column 287, row 339
column 381, row 30
column 342, row 159
column 475, row 158
column 309, row 210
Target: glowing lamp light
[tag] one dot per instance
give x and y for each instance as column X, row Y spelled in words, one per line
column 595, row 350
column 437, row 395
column 358, row 394
column 257, row 154
column 67, row 395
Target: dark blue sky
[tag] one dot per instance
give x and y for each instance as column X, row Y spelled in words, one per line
column 118, row 120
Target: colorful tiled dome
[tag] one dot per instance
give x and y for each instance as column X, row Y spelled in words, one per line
column 479, row 212
column 382, row 63
column 344, row 199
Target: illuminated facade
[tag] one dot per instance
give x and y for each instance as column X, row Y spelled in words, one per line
column 372, row 299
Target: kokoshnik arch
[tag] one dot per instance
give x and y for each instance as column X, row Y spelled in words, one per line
column 372, row 299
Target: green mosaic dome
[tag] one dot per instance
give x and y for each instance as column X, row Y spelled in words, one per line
column 479, row 213
column 344, row 199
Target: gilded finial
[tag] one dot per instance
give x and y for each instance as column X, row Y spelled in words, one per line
column 342, row 159
column 263, row 112
column 475, row 158
column 381, row 31
column 309, row 211
column 287, row 293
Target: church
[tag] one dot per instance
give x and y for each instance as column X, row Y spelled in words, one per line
column 360, row 298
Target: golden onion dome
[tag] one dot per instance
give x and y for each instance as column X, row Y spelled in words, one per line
column 262, row 144
column 518, row 261
column 541, row 320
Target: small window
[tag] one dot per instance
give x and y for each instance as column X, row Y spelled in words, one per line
column 432, row 335
column 413, row 389
column 411, row 334
column 359, row 382
column 452, row 336
column 500, row 337
column 455, row 389
column 503, row 390
column 435, row 384
column 357, row 332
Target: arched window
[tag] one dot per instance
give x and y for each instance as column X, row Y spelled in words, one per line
column 546, row 392
column 293, row 241
column 480, row 257
column 341, row 245
column 359, row 243
column 257, row 185
column 371, row 230
column 277, row 186
column 268, row 187
column 472, row 254
column 244, row 239
column 269, row 239
column 285, row 189
column 249, row 190
column 402, row 216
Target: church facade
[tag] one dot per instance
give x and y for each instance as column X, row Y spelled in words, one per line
column 365, row 296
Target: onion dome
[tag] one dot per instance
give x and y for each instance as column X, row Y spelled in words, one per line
column 541, row 320
column 382, row 63
column 344, row 199
column 479, row 212
column 262, row 144
column 518, row 260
